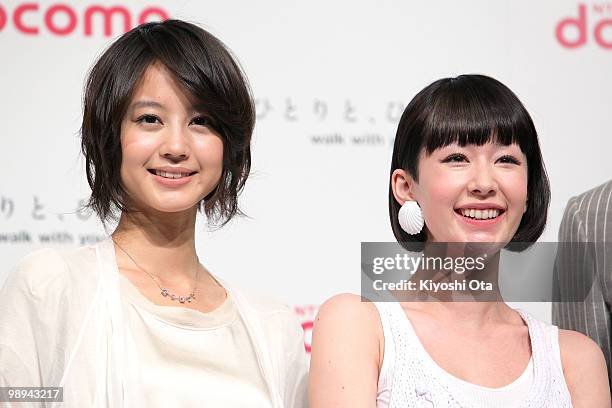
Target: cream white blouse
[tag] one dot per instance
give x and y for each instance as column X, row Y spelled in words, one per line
column 193, row 359
column 64, row 322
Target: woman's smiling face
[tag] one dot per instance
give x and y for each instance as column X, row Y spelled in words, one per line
column 171, row 156
column 468, row 194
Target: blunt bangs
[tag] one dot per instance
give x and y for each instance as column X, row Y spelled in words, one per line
column 471, row 110
column 461, row 110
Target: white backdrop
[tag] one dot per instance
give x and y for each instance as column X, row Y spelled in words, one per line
column 330, row 79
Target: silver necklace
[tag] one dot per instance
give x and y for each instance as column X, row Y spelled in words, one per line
column 164, row 291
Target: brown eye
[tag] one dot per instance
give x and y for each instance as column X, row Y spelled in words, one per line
column 507, row 159
column 455, row 158
column 148, row 119
column 201, row 121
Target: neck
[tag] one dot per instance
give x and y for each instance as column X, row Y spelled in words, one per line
column 462, row 304
column 161, row 243
column 468, row 314
column 473, row 275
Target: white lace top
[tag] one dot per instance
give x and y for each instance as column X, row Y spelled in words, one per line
column 409, row 377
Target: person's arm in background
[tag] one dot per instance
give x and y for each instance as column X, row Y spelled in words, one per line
column 347, row 350
column 582, row 269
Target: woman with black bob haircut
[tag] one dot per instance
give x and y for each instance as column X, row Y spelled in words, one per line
column 136, row 320
column 471, row 110
column 467, row 178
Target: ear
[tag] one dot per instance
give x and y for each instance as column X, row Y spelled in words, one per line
column 402, row 185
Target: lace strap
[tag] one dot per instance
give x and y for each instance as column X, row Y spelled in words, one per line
column 387, row 368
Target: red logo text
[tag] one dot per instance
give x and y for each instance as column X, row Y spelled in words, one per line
column 62, row 19
column 574, row 32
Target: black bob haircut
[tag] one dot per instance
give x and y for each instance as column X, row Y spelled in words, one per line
column 471, row 109
column 207, row 71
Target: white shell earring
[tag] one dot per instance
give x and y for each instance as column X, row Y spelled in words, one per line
column 410, row 217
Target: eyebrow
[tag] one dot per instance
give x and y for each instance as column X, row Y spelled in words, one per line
column 146, row 104
column 152, row 104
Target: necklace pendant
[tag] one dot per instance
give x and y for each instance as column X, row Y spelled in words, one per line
column 164, row 291
column 182, row 299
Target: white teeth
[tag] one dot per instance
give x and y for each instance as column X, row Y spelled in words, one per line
column 167, row 174
column 480, row 214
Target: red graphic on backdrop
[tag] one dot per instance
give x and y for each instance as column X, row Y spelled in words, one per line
column 306, row 314
column 588, row 19
column 2, row 18
column 63, row 19
column 307, row 327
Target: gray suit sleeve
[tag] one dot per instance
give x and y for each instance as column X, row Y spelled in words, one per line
column 581, row 279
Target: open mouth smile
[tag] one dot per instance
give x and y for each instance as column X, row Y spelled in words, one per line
column 481, row 214
column 171, row 175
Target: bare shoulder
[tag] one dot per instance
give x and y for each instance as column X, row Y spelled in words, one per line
column 351, row 316
column 584, row 368
column 347, row 307
column 578, row 349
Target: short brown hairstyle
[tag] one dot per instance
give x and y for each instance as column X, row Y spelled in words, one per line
column 204, row 66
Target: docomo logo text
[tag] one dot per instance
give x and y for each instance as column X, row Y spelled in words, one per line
column 573, row 32
column 62, row 19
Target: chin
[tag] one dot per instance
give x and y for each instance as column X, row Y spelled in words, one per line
column 493, row 239
column 173, row 207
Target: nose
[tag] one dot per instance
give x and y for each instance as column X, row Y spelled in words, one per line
column 175, row 145
column 483, row 181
